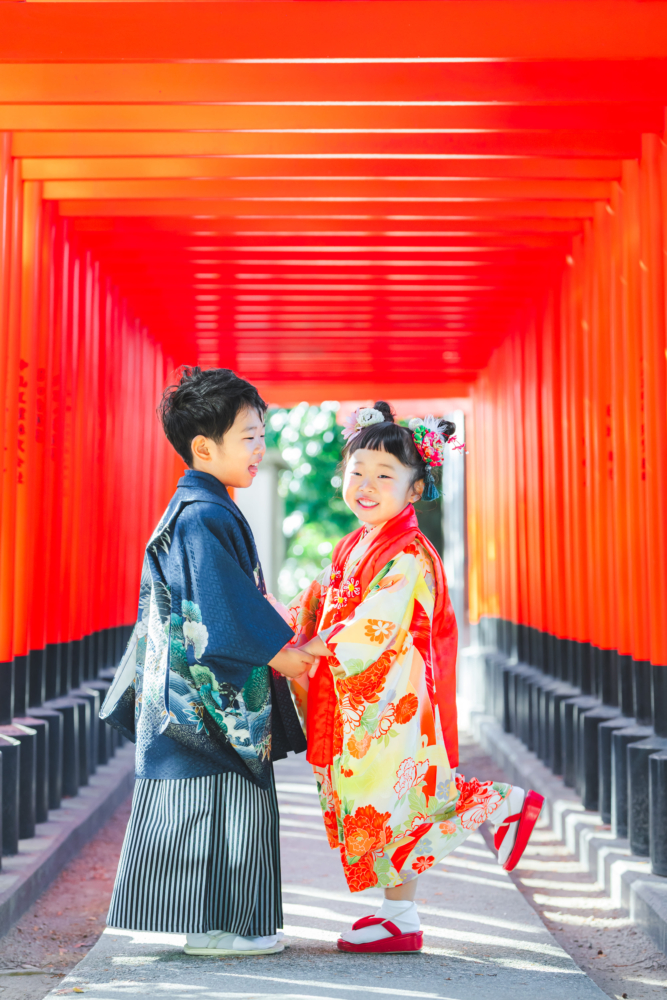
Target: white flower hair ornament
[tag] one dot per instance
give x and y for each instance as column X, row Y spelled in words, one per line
column 360, row 419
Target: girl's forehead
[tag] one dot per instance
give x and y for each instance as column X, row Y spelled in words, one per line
column 377, row 459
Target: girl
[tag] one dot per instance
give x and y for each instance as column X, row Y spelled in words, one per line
column 380, row 707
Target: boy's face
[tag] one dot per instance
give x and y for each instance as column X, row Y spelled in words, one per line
column 235, row 459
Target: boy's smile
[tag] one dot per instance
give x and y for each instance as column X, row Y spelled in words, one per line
column 234, row 460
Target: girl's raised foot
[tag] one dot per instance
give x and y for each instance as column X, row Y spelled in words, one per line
column 516, row 820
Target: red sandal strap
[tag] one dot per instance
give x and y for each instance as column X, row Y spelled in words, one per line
column 502, row 830
column 530, row 813
column 392, row 928
column 366, row 922
column 370, row 921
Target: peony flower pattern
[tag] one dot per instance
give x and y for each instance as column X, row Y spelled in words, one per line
column 477, row 800
column 409, row 774
column 385, row 721
column 447, row 828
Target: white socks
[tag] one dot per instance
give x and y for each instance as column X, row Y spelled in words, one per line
column 511, row 806
column 402, row 912
column 222, row 942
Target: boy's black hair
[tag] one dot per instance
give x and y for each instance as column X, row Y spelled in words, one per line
column 205, row 402
column 397, row 441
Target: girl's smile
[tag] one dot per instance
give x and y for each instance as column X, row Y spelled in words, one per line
column 377, row 486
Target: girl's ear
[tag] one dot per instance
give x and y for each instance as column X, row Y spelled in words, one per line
column 417, row 491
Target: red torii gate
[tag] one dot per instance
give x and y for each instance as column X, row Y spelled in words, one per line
column 422, row 198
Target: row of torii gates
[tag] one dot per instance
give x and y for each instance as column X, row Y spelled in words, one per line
column 340, row 200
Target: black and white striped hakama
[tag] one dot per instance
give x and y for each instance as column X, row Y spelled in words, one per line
column 200, row 854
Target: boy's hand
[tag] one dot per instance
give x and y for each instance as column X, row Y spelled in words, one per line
column 292, row 662
column 318, row 648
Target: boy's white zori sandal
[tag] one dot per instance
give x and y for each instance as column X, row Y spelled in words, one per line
column 217, row 943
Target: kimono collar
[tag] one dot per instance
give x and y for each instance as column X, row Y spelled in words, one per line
column 205, row 481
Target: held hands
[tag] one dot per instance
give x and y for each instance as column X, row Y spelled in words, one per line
column 292, row 662
column 317, row 648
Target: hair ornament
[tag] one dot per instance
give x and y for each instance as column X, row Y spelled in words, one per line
column 360, row 419
column 429, row 440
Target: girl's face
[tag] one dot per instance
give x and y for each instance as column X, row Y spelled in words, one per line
column 377, row 486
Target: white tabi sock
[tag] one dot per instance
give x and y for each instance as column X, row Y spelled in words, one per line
column 210, row 939
column 402, row 912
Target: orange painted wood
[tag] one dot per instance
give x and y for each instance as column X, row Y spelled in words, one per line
column 606, row 29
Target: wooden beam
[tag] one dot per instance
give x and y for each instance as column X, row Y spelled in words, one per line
column 387, row 211
column 614, row 116
column 469, row 167
column 365, row 192
column 388, row 80
column 604, row 29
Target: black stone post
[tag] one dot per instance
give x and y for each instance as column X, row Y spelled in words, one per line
column 620, row 740
column 52, row 671
column 55, row 753
column 36, row 677
column 658, row 812
column 590, row 761
column 70, row 769
column 41, row 729
column 638, row 792
column 21, row 678
column 626, row 693
column 6, row 692
column 641, row 670
column 11, row 765
column 606, row 788
column 659, row 677
column 27, row 737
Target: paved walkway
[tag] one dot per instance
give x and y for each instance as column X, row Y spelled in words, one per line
column 482, row 938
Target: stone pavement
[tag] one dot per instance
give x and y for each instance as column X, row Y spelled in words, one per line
column 482, row 938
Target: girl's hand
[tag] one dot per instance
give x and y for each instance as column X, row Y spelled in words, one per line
column 292, row 662
column 316, row 647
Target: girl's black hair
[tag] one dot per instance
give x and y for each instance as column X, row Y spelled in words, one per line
column 398, row 441
column 205, row 402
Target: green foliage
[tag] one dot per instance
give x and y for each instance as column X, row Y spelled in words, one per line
column 316, row 518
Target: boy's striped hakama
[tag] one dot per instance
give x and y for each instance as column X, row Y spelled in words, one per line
column 200, row 854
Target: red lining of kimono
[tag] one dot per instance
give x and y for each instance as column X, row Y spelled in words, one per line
column 390, row 540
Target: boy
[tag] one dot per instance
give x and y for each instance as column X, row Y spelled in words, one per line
column 201, row 853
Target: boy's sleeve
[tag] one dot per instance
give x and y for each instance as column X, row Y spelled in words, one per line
column 228, row 625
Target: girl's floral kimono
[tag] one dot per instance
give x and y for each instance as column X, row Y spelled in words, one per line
column 380, row 713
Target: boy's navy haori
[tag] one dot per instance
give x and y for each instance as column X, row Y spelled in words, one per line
column 194, row 690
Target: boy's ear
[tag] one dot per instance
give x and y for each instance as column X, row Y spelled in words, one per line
column 200, row 448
